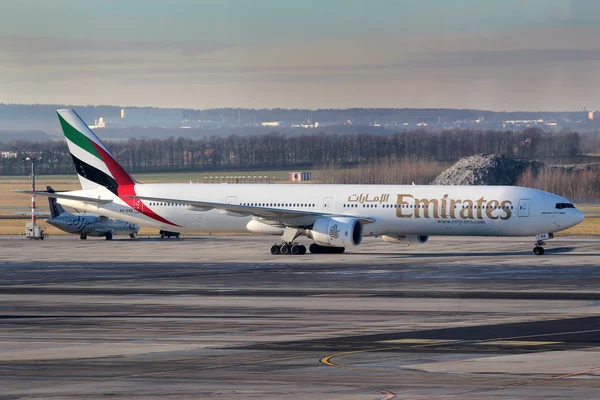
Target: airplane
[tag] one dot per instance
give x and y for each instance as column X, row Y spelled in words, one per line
column 334, row 217
column 87, row 224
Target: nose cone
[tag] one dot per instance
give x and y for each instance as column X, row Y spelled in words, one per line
column 578, row 217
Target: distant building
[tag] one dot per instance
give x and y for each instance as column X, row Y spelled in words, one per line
column 8, row 154
column 271, row 123
column 98, row 123
column 122, row 113
column 591, row 115
column 300, row 176
column 306, row 126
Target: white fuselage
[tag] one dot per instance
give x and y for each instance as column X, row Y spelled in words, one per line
column 395, row 209
column 91, row 225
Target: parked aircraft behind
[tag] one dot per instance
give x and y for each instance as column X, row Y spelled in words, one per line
column 87, row 224
column 333, row 216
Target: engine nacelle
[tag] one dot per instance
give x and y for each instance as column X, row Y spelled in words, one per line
column 336, row 232
column 408, row 240
column 267, row 229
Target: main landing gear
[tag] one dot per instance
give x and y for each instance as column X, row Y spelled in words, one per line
column 538, row 250
column 288, row 248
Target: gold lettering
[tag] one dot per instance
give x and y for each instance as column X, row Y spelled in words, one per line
column 453, row 204
column 445, row 206
column 491, row 206
column 400, row 202
column 480, row 203
column 506, row 204
column 425, row 203
column 467, row 211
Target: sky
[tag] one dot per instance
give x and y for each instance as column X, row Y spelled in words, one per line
column 484, row 54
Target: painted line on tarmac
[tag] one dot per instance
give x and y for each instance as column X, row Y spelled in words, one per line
column 327, row 360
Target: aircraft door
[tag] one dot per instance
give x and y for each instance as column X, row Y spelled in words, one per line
column 138, row 206
column 231, row 200
column 524, row 208
column 328, row 204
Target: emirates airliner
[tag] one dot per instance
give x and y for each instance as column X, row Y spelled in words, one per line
column 333, row 216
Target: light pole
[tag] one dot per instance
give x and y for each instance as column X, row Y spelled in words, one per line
column 32, row 160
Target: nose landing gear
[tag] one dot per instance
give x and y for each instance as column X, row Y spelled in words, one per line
column 538, row 250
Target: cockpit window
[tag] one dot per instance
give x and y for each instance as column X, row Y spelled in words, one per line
column 560, row 206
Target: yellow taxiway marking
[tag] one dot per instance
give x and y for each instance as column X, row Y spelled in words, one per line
column 517, row 343
column 418, row 341
column 327, row 360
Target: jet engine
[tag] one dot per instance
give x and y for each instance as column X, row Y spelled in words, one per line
column 336, row 232
column 408, row 240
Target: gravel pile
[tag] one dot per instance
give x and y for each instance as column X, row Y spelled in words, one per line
column 485, row 169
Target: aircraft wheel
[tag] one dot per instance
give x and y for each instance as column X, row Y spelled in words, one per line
column 132, row 236
column 538, row 251
column 275, row 250
column 109, row 236
column 302, row 249
column 284, row 249
column 295, row 250
column 82, row 236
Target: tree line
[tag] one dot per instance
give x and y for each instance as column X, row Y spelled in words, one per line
column 274, row 150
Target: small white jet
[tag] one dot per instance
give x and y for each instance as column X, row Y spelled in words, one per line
column 87, row 224
column 333, row 216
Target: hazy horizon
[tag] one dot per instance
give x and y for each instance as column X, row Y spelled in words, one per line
column 529, row 55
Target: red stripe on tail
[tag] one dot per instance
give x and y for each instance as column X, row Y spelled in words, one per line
column 120, row 175
column 126, row 186
column 138, row 205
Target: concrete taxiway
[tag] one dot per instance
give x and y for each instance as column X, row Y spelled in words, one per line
column 220, row 317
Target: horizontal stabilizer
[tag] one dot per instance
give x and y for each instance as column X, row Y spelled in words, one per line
column 66, row 196
column 37, row 213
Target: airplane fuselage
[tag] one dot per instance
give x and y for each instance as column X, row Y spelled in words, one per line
column 395, row 209
column 92, row 225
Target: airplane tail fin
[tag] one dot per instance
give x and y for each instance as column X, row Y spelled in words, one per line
column 55, row 208
column 93, row 162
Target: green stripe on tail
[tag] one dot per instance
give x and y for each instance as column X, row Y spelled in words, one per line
column 78, row 138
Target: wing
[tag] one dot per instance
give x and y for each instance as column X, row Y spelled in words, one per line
column 297, row 218
column 39, row 214
column 65, row 196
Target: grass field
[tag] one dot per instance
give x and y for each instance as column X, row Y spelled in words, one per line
column 198, row 177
